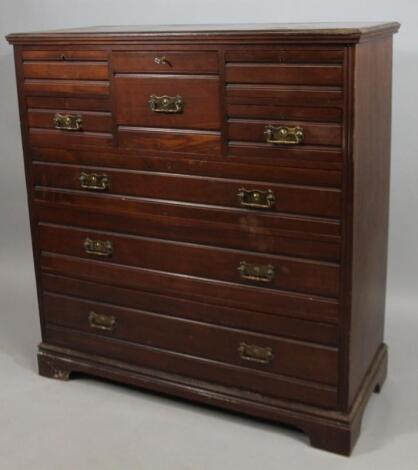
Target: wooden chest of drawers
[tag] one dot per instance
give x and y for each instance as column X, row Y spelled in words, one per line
column 209, row 212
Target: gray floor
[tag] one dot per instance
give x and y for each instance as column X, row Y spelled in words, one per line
column 90, row 424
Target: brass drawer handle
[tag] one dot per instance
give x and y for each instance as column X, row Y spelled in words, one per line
column 94, row 181
column 254, row 353
column 256, row 198
column 283, row 135
column 101, row 321
column 256, row 272
column 166, row 104
column 102, row 248
column 68, row 122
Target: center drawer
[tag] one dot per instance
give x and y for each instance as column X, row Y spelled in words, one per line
column 167, row 101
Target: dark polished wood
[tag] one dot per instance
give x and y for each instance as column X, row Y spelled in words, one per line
column 189, row 251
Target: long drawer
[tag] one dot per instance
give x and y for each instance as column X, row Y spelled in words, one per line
column 250, row 195
column 237, row 295
column 237, row 377
column 267, row 271
column 187, row 229
column 180, row 307
column 239, row 347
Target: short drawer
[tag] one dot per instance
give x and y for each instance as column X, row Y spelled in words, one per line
column 269, row 132
column 160, row 61
column 39, row 137
column 86, row 120
column 188, row 102
column 64, row 55
column 66, row 88
column 240, row 267
column 268, row 353
column 284, row 74
column 251, row 196
column 240, row 379
column 289, row 55
column 70, row 70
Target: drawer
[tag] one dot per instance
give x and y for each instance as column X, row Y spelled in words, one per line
column 75, row 104
column 66, row 88
column 64, row 55
column 82, row 70
column 309, row 228
column 62, row 139
column 256, row 299
column 312, row 133
column 197, row 105
column 88, row 120
column 241, row 379
column 251, row 196
column 232, row 266
column 291, row 55
column 286, row 113
column 281, row 174
column 175, row 306
column 268, row 353
column 187, row 229
column 161, row 61
column 179, row 142
column 284, row 74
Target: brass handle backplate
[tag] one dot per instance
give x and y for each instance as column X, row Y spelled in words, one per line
column 94, row 181
column 166, row 104
column 254, row 353
column 102, row 248
column 256, row 272
column 101, row 321
column 283, row 135
column 68, row 122
column 256, row 198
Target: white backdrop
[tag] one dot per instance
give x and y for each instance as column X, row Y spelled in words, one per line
column 392, row 425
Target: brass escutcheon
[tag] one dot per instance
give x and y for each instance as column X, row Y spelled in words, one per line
column 256, row 272
column 68, row 122
column 256, row 198
column 283, row 135
column 94, row 181
column 166, row 104
column 102, row 248
column 101, row 321
column 254, row 353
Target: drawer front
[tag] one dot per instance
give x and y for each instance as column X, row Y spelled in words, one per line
column 223, row 218
column 258, row 270
column 250, row 350
column 202, row 167
column 256, row 322
column 75, row 104
column 251, row 196
column 292, row 55
column 257, row 131
column 186, row 229
column 66, row 88
column 198, row 107
column 89, row 121
column 241, row 379
column 63, row 139
column 165, row 61
column 66, row 70
column 284, row 74
column 256, row 299
column 64, row 55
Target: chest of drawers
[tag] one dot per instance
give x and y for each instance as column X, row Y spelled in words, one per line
column 209, row 212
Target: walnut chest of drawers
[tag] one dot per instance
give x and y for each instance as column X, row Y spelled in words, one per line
column 209, row 212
